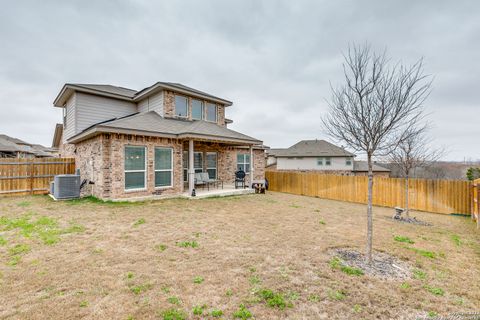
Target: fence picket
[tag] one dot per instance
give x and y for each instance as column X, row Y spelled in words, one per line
column 31, row 176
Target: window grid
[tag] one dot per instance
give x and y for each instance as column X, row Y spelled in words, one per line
column 212, row 166
column 127, row 172
column 243, row 162
column 164, row 170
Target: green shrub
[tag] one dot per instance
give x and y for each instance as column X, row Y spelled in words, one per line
column 187, row 244
column 174, row 300
column 242, row 313
column 425, row 253
column 435, row 291
column 173, row 314
column 456, row 240
column 419, row 274
column 198, row 310
column 336, row 263
column 141, row 288
column 336, row 295
column 216, row 313
column 198, row 280
column 139, row 222
column 403, row 239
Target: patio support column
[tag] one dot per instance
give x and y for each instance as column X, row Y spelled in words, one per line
column 252, row 169
column 191, row 171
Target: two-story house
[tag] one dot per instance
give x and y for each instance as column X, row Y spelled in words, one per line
column 130, row 143
column 322, row 156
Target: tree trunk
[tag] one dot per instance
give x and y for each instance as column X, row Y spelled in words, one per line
column 407, row 193
column 369, row 210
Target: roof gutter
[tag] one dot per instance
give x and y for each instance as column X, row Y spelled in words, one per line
column 103, row 129
column 66, row 87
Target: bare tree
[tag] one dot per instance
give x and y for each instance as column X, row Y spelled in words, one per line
column 411, row 153
column 374, row 107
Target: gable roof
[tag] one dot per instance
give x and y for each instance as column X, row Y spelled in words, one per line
column 362, row 166
column 131, row 95
column 312, row 148
column 10, row 144
column 152, row 124
column 108, row 88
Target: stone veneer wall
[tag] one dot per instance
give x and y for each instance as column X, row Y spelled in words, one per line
column 101, row 161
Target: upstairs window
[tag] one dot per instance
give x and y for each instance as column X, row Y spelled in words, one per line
column 181, row 106
column 328, row 161
column 243, row 162
column 211, row 112
column 348, row 161
column 197, row 109
column 319, row 161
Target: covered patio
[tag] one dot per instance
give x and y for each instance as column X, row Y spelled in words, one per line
column 218, row 160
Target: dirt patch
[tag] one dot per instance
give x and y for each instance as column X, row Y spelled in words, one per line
column 383, row 266
column 92, row 260
column 413, row 220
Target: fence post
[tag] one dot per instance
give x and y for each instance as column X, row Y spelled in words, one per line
column 31, row 175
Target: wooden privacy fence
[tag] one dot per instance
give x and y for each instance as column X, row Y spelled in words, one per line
column 31, row 176
column 440, row 196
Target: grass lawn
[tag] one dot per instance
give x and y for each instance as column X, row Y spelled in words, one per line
column 259, row 256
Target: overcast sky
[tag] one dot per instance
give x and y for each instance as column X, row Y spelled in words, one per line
column 273, row 59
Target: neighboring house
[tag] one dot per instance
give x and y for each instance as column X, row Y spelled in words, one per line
column 15, row 148
column 130, row 143
column 317, row 155
column 360, row 168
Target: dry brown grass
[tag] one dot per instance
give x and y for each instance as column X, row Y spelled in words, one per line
column 274, row 241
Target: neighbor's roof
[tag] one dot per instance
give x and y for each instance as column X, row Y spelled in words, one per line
column 127, row 94
column 362, row 166
column 152, row 124
column 10, row 144
column 313, row 148
column 57, row 136
column 274, row 152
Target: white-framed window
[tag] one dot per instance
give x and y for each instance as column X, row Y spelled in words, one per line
column 348, row 161
column 328, row 161
column 243, row 162
column 163, row 167
column 185, row 166
column 319, row 161
column 135, row 167
column 211, row 112
column 181, row 106
column 197, row 109
column 198, row 162
column 212, row 165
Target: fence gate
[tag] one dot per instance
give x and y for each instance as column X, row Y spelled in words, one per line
column 31, row 176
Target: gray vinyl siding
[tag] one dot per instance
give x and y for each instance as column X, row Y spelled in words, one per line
column 69, row 128
column 152, row 103
column 91, row 109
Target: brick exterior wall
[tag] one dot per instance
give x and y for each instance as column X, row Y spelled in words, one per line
column 101, row 160
column 169, row 107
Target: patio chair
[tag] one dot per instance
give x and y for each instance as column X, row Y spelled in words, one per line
column 199, row 180
column 240, row 179
column 215, row 182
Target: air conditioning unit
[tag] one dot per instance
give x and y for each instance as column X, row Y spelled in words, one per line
column 66, row 186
